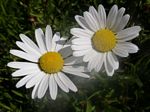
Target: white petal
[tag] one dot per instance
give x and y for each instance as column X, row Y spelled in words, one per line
column 112, row 60
column 24, row 80
column 23, row 47
column 82, row 47
column 76, row 73
column 70, row 60
column 43, row 86
column 30, row 43
column 123, row 22
column 118, row 18
column 35, row 90
column 89, row 66
column 112, row 16
column 127, row 38
column 53, row 88
column 88, row 56
column 93, row 62
column 65, row 52
column 60, row 43
column 56, row 38
column 109, row 69
column 69, row 42
column 81, row 52
column 120, row 51
column 23, row 72
column 48, row 37
column 91, row 21
column 78, row 32
column 22, row 65
column 100, row 61
column 128, row 32
column 40, row 40
column 75, row 68
column 60, row 83
column 102, row 16
column 95, row 15
column 28, row 49
column 67, row 81
column 81, row 41
column 129, row 47
column 73, row 60
column 24, row 55
column 38, row 77
column 81, row 21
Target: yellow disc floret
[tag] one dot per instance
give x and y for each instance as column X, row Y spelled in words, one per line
column 51, row 62
column 104, row 40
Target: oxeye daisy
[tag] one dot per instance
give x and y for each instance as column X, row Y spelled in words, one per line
column 46, row 65
column 101, row 39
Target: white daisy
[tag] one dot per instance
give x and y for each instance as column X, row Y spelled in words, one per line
column 49, row 61
column 100, row 39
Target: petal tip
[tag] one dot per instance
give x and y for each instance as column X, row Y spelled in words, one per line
column 53, row 98
column 8, row 64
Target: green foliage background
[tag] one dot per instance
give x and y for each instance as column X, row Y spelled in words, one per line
column 127, row 91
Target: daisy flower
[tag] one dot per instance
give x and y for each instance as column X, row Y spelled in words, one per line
column 101, row 38
column 47, row 63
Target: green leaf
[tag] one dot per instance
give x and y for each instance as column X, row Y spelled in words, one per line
column 5, row 106
column 17, row 93
column 89, row 107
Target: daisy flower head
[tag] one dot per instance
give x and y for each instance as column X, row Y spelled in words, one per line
column 101, row 39
column 46, row 64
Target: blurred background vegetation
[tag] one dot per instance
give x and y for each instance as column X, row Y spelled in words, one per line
column 127, row 91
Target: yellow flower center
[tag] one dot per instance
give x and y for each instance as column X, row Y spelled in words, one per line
column 51, row 62
column 104, row 40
